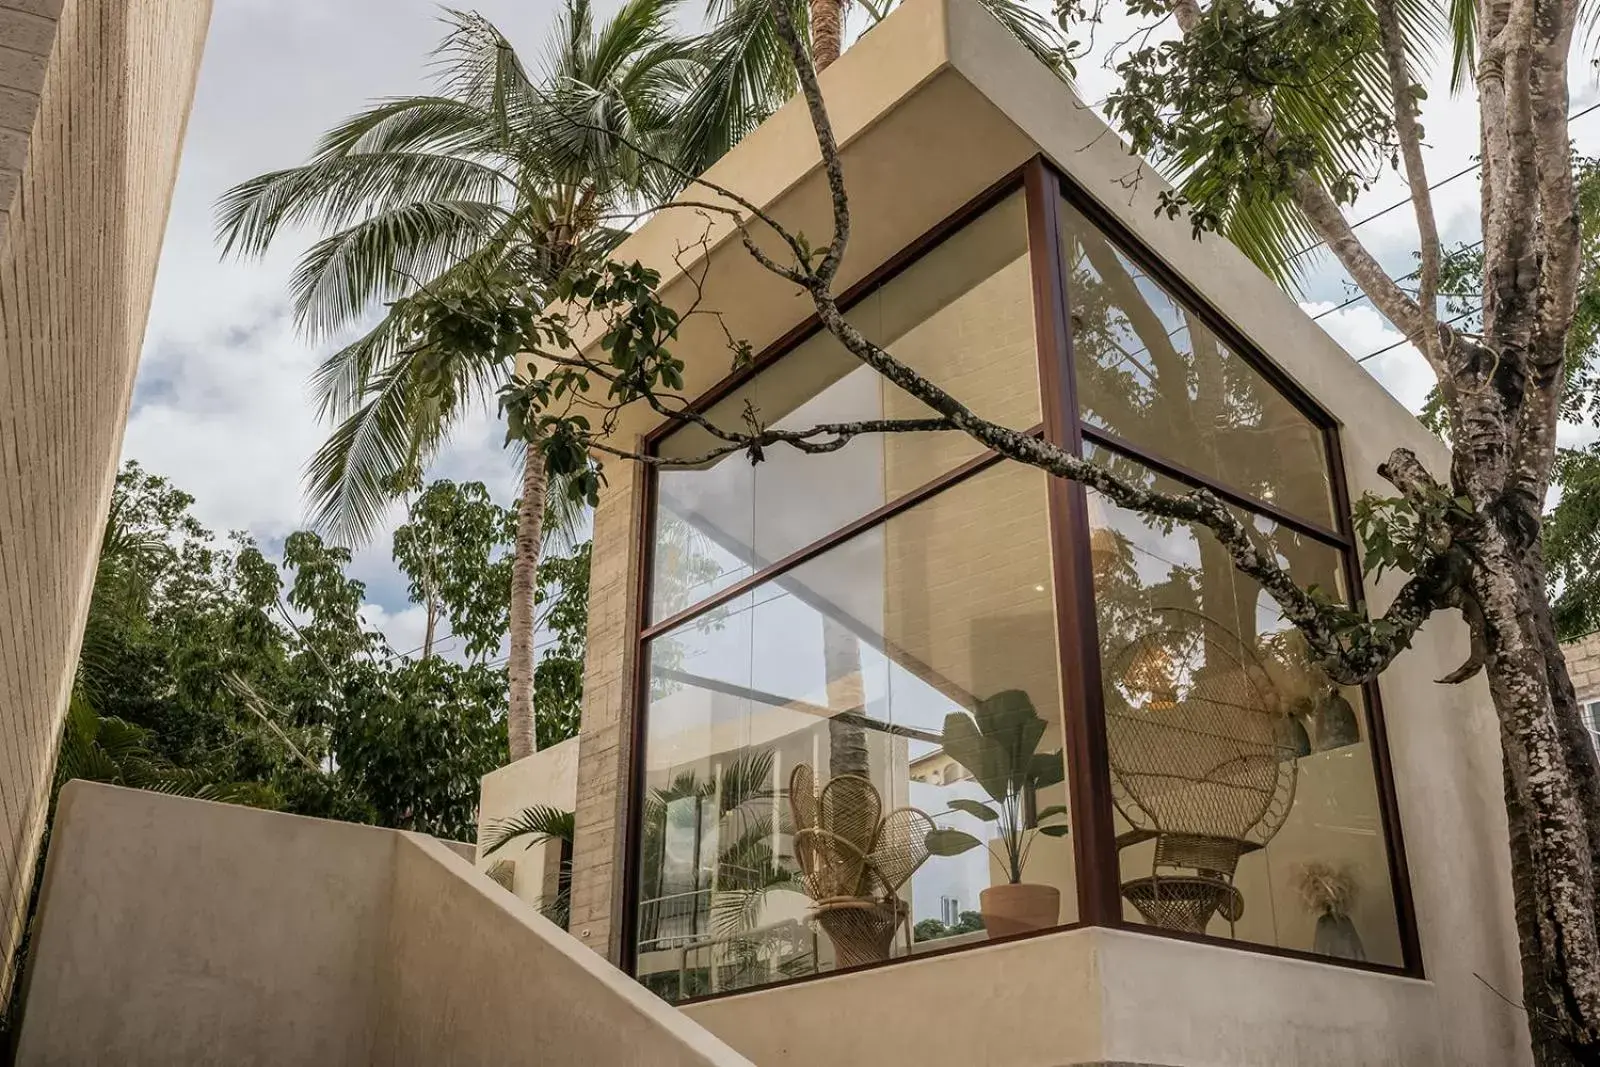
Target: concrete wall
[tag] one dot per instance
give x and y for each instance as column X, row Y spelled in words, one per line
column 182, row 932
column 94, row 95
column 548, row 777
column 1086, row 997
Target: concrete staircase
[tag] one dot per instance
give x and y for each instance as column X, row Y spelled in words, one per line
column 180, row 932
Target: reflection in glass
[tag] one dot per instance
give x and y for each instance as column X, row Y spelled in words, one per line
column 823, row 724
column 1150, row 371
column 961, row 315
column 1246, row 801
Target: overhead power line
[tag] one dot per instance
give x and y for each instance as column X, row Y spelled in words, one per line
column 1407, row 340
column 1313, row 246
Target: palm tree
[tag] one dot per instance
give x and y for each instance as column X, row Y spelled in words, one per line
column 424, row 196
column 540, row 823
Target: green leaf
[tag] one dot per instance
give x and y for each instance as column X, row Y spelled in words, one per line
column 1056, row 830
column 977, row 808
column 943, row 842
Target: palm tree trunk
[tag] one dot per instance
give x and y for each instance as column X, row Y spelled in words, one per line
column 847, row 739
column 524, row 582
column 827, row 31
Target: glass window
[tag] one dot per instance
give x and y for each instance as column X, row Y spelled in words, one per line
column 861, row 758
column 962, row 315
column 1245, row 797
column 1591, row 719
column 1150, row 372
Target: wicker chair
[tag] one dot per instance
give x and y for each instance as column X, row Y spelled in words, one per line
column 1200, row 764
column 853, row 860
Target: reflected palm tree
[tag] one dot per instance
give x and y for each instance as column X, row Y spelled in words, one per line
column 709, row 862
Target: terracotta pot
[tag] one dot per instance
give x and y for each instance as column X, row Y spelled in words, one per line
column 1019, row 909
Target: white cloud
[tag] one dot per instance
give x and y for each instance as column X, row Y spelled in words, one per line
column 1362, row 332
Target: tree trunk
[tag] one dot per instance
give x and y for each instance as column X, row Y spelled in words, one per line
column 1551, row 776
column 827, row 31
column 847, row 740
column 430, row 628
column 524, row 582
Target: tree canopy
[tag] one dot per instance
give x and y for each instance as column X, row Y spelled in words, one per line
column 231, row 668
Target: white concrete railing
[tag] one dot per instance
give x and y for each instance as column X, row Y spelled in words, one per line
column 181, row 932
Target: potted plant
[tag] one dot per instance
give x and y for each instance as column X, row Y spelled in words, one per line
column 996, row 742
column 1329, row 893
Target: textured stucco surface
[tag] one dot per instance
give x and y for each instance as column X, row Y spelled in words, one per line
column 94, row 95
column 179, row 932
column 548, row 777
column 1086, row 997
column 941, row 92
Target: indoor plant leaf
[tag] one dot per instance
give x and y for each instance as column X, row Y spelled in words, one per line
column 943, row 842
column 982, row 755
column 976, row 807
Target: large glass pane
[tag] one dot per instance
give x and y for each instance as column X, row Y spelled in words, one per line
column 1152, row 373
column 962, row 315
column 1245, row 796
column 808, row 743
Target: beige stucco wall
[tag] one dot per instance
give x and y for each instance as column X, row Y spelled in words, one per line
column 548, row 777
column 1086, row 997
column 91, row 123
column 180, row 932
column 941, row 92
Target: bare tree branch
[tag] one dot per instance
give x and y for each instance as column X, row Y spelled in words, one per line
column 1409, row 131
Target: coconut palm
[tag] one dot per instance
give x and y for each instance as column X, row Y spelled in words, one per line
column 485, row 180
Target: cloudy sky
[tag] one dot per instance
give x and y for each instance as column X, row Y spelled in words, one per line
column 221, row 405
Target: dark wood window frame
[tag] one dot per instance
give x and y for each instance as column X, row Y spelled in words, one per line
column 1088, row 768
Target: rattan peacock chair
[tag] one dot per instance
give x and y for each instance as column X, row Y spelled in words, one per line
column 853, row 860
column 1200, row 764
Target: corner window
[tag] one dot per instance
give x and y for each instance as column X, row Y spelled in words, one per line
column 1149, row 371
column 962, row 315
column 857, row 744
column 1243, row 786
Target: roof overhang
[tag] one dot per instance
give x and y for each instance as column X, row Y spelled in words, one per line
column 931, row 107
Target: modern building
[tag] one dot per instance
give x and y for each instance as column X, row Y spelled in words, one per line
column 94, row 95
column 1186, row 847
column 1259, row 868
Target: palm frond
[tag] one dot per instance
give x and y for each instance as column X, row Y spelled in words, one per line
column 384, row 257
column 336, row 192
column 1039, row 35
column 747, row 76
column 540, row 823
column 430, row 124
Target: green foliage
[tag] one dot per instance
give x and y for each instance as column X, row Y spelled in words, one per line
column 206, row 664
column 1313, row 68
column 967, row 922
column 1399, row 534
column 997, row 743
column 562, row 601
column 1572, row 542
column 454, row 548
